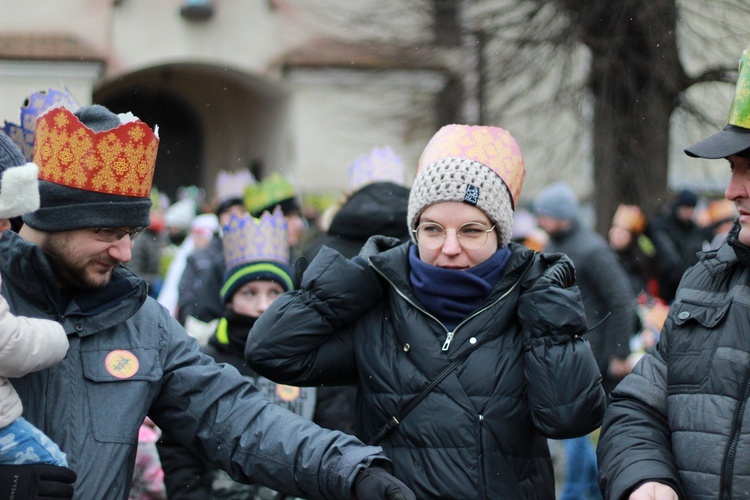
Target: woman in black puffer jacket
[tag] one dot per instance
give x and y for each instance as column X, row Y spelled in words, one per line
column 391, row 319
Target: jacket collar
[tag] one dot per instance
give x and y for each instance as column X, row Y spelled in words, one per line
column 27, row 272
column 393, row 264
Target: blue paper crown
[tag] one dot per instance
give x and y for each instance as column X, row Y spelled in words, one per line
column 379, row 165
column 231, row 185
column 24, row 135
column 248, row 239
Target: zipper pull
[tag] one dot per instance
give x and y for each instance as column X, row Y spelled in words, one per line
column 448, row 340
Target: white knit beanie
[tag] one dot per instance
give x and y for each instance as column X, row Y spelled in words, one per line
column 478, row 165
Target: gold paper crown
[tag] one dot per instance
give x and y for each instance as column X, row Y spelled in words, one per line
column 248, row 239
column 379, row 165
column 272, row 190
column 120, row 161
column 24, row 133
column 230, row 185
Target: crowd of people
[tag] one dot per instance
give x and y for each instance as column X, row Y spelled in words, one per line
column 423, row 339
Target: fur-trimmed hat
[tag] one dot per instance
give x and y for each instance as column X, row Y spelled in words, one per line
column 19, row 187
column 478, row 165
column 95, row 169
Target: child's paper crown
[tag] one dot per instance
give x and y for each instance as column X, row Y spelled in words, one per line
column 36, row 103
column 379, row 165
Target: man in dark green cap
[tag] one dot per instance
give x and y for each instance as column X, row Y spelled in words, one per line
column 679, row 426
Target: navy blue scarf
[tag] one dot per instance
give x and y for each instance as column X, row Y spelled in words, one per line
column 451, row 295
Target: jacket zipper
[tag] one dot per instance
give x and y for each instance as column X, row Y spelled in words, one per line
column 725, row 489
column 448, row 334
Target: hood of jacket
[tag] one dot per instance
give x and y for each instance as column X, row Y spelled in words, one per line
column 378, row 208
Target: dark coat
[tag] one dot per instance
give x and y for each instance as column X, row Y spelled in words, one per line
column 188, row 476
column 200, row 285
column 128, row 359
column 482, row 432
column 681, row 417
column 605, row 289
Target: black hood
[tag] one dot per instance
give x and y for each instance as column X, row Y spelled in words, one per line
column 378, row 208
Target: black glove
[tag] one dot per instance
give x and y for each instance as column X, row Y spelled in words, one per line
column 36, row 481
column 375, row 483
column 560, row 271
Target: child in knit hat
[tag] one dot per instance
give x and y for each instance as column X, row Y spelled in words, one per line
column 257, row 272
column 26, row 344
column 465, row 347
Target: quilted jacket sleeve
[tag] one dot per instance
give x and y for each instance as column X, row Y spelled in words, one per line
column 303, row 337
column 635, row 443
column 220, row 415
column 563, row 379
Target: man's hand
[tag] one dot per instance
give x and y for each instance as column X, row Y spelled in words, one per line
column 375, row 483
column 654, row 491
column 36, row 481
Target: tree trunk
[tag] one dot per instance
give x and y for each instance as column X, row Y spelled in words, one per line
column 635, row 80
column 631, row 145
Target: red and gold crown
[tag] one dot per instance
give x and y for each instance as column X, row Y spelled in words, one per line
column 119, row 161
column 24, row 133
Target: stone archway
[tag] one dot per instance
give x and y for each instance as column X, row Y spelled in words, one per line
column 209, row 118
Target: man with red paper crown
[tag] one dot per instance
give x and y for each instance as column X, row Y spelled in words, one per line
column 128, row 357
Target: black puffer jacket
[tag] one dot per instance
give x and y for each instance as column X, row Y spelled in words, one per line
column 479, row 434
column 681, row 417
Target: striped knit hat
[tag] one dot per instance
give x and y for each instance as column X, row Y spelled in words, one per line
column 478, row 165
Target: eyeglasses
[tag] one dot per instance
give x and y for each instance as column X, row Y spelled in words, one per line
column 111, row 234
column 471, row 235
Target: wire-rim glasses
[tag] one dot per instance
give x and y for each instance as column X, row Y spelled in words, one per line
column 111, row 234
column 471, row 235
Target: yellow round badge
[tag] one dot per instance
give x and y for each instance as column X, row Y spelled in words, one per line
column 287, row 393
column 121, row 363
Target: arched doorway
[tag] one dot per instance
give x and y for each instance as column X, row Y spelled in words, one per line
column 179, row 161
column 209, row 118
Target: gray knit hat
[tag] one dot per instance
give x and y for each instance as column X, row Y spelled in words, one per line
column 95, row 170
column 19, row 188
column 557, row 201
column 477, row 165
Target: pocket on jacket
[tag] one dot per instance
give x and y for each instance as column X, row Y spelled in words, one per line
column 120, row 384
column 693, row 342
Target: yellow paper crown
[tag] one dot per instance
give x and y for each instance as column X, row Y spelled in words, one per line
column 119, row 161
column 271, row 191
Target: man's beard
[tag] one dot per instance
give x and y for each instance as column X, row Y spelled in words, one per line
column 71, row 270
